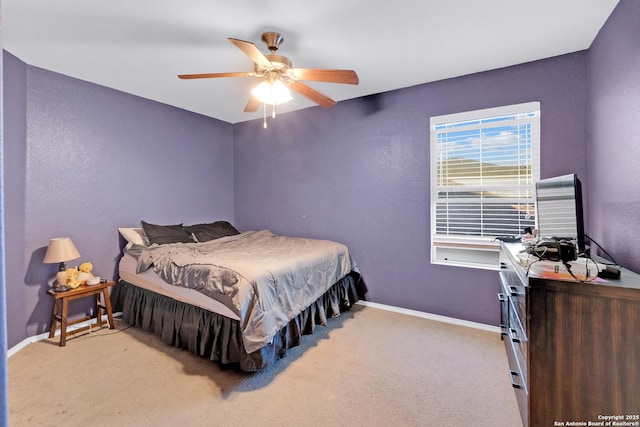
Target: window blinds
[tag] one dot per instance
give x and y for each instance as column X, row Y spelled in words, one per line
column 484, row 166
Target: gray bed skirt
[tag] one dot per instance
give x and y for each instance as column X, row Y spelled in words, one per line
column 218, row 337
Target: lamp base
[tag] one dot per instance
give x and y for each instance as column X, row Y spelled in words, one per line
column 62, row 288
column 61, row 280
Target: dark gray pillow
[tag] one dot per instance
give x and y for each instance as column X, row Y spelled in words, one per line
column 163, row 234
column 214, row 230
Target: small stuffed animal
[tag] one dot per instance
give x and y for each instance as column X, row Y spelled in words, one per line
column 72, row 278
column 85, row 272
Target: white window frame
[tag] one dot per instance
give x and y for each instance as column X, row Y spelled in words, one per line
column 480, row 251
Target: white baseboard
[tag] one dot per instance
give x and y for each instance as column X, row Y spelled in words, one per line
column 25, row 342
column 30, row 340
column 430, row 316
column 13, row 350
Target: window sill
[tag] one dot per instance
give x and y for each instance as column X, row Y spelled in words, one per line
column 466, row 252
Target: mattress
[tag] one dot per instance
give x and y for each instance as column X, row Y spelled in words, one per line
column 151, row 281
column 266, row 278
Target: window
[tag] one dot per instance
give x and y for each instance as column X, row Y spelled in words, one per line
column 484, row 165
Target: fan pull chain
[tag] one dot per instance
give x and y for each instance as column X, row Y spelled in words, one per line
column 264, row 114
column 264, row 123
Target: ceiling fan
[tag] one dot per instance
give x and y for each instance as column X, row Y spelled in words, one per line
column 278, row 74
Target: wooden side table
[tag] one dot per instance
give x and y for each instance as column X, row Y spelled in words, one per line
column 61, row 306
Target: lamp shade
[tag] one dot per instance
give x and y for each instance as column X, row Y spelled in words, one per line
column 60, row 249
column 272, row 93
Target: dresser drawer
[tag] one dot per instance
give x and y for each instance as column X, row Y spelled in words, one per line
column 515, row 289
column 514, row 335
column 516, row 345
column 518, row 382
column 517, row 337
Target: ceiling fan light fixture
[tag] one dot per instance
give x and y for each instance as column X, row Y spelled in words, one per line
column 278, row 76
column 272, row 93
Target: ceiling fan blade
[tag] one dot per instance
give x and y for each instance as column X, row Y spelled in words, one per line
column 252, row 105
column 312, row 94
column 213, row 75
column 252, row 52
column 332, row 76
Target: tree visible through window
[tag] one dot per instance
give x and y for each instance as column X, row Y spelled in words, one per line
column 484, row 165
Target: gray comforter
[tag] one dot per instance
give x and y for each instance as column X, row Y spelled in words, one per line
column 268, row 279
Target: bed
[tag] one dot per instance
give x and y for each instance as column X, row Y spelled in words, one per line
column 239, row 299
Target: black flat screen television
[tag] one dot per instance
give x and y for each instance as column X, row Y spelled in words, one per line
column 559, row 213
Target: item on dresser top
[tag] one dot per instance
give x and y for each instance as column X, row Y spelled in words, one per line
column 554, row 250
column 581, row 270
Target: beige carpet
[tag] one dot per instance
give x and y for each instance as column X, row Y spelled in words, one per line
column 369, row 367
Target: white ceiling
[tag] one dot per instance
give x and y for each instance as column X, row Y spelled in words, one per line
column 140, row 46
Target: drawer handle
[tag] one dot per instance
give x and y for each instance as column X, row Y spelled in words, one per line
column 514, row 384
column 513, row 334
column 503, row 330
column 514, row 291
column 503, row 327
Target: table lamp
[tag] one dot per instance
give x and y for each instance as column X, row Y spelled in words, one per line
column 61, row 249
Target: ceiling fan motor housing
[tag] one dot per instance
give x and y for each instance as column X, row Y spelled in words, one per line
column 279, row 63
column 273, row 40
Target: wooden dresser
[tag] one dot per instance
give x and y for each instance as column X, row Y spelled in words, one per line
column 573, row 348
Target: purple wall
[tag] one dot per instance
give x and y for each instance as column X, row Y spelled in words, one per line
column 82, row 160
column 4, row 401
column 614, row 150
column 85, row 160
column 15, row 177
column 359, row 173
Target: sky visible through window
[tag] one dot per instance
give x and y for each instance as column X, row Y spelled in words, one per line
column 478, row 139
column 484, row 175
